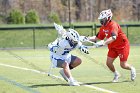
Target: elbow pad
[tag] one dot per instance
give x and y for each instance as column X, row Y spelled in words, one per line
column 114, row 36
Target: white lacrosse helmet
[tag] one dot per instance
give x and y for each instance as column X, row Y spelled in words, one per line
column 105, row 14
column 73, row 35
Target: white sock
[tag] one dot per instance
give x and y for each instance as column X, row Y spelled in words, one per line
column 71, row 79
column 116, row 73
column 132, row 67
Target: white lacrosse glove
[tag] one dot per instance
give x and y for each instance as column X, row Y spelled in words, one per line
column 84, row 49
column 99, row 44
column 83, row 38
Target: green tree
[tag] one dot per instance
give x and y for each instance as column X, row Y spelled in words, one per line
column 53, row 17
column 32, row 17
column 16, row 17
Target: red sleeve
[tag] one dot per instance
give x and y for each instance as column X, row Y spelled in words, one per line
column 114, row 29
column 101, row 35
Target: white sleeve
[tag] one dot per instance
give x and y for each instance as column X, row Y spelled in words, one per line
column 54, row 43
column 62, row 43
column 79, row 44
column 61, row 46
column 49, row 46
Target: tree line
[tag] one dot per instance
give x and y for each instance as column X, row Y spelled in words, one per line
column 73, row 10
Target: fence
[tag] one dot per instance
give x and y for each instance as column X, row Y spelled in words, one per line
column 94, row 27
column 31, row 35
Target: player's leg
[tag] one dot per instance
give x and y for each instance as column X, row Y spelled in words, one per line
column 66, row 74
column 109, row 63
column 110, row 59
column 75, row 61
column 66, row 70
column 123, row 55
column 125, row 65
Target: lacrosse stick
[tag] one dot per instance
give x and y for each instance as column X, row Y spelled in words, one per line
column 85, row 39
column 61, row 31
column 91, row 46
column 96, row 45
column 61, row 34
column 50, row 69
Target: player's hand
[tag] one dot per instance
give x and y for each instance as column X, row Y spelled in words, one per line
column 84, row 49
column 99, row 44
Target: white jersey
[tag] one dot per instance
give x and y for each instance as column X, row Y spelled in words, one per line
column 63, row 47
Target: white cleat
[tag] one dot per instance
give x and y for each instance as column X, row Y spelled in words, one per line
column 63, row 75
column 133, row 73
column 74, row 83
column 116, row 77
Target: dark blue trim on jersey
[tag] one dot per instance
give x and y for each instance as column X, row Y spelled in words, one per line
column 72, row 44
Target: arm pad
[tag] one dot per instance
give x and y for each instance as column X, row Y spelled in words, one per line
column 114, row 36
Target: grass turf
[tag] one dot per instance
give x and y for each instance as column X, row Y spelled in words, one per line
column 92, row 71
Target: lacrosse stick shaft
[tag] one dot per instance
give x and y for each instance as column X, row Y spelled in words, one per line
column 91, row 42
column 50, row 69
column 91, row 46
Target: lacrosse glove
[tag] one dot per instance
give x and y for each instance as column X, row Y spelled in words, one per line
column 99, row 44
column 84, row 49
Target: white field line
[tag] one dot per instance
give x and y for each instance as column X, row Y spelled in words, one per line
column 99, row 89
column 36, row 71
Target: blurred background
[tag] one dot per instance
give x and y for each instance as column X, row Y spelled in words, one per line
column 29, row 23
column 71, row 10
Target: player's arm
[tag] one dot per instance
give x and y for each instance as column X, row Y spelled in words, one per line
column 100, row 36
column 108, row 41
column 53, row 47
column 93, row 38
column 111, row 39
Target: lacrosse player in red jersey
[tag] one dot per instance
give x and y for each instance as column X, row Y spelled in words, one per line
column 60, row 56
column 116, row 41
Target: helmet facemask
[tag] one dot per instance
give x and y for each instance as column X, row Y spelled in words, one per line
column 73, row 36
column 103, row 21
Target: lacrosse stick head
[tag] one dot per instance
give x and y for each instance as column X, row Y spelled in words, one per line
column 60, row 29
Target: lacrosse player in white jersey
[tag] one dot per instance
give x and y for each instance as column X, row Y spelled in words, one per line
column 60, row 56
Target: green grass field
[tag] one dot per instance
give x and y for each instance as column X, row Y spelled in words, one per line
column 14, row 78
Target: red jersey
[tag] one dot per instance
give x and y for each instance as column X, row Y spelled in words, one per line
column 113, row 27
